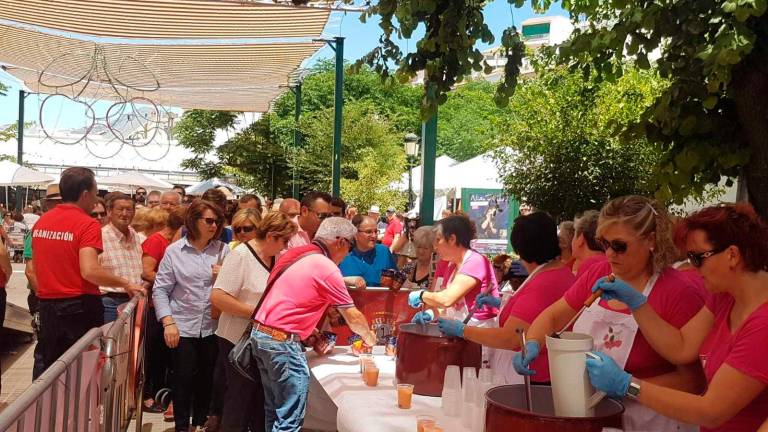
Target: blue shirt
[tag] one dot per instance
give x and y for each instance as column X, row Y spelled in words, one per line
column 183, row 286
column 368, row 264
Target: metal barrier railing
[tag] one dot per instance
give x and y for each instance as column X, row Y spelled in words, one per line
column 95, row 385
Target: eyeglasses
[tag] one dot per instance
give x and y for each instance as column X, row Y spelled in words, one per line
column 98, row 214
column 618, row 246
column 245, row 229
column 350, row 243
column 697, row 258
column 211, row 221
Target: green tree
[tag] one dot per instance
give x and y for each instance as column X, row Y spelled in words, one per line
column 558, row 150
column 709, row 122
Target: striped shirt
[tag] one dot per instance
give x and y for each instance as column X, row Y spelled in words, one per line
column 121, row 255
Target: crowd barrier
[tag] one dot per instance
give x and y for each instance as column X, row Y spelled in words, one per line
column 96, row 386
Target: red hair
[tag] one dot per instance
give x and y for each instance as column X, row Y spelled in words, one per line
column 726, row 225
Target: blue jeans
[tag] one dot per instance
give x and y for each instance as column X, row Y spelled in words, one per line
column 110, row 307
column 285, row 377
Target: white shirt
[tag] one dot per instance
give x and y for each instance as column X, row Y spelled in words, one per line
column 244, row 277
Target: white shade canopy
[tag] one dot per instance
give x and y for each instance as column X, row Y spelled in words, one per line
column 134, row 179
column 13, row 174
column 200, row 188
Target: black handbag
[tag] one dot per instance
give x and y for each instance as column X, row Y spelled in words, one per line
column 243, row 356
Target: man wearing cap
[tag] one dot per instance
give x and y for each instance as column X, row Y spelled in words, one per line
column 394, row 228
column 52, row 199
column 66, row 242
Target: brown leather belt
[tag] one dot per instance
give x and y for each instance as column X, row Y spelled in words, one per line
column 275, row 334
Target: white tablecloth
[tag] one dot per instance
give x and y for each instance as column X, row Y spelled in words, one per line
column 336, row 380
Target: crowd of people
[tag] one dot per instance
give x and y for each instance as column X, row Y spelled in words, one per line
column 239, row 291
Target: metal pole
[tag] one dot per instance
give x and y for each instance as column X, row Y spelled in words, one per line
column 296, row 138
column 428, row 151
column 410, row 184
column 20, row 142
column 337, row 116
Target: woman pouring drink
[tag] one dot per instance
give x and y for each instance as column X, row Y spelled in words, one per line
column 534, row 239
column 636, row 236
column 469, row 273
column 728, row 245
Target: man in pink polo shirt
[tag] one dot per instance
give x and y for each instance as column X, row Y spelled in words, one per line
column 306, row 280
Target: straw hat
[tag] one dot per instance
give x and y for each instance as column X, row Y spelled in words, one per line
column 52, row 192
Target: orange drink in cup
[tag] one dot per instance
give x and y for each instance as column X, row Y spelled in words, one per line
column 423, row 421
column 371, row 375
column 404, row 395
column 432, row 428
column 363, row 359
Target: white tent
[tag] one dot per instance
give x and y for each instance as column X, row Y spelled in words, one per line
column 200, row 188
column 133, row 180
column 13, row 174
column 479, row 172
column 442, row 165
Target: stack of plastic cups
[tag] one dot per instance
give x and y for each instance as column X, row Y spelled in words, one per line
column 486, row 383
column 469, row 392
column 451, row 397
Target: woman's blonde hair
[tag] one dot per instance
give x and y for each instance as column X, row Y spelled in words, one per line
column 276, row 223
column 646, row 217
column 424, row 236
column 155, row 219
column 246, row 215
column 139, row 222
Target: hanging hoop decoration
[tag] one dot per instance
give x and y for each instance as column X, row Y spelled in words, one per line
column 132, row 125
column 141, row 150
column 89, row 145
column 65, row 62
column 86, row 130
column 129, row 74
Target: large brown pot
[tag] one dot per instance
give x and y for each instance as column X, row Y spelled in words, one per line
column 505, row 411
column 423, row 353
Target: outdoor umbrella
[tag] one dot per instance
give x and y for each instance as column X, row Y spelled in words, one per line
column 133, row 180
column 13, row 174
column 200, row 188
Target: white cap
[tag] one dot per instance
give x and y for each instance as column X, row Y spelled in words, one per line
column 374, row 209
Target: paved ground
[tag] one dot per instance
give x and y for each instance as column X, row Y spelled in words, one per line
column 16, row 351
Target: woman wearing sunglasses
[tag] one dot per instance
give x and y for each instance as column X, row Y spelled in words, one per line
column 244, row 226
column 728, row 245
column 236, row 292
column 365, row 262
column 182, row 299
column 636, row 235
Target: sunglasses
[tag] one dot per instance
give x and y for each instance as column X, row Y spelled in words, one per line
column 697, row 259
column 323, row 216
column 245, row 229
column 141, row 193
column 211, row 221
column 98, row 214
column 618, row 246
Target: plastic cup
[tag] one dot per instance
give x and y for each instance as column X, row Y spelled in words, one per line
column 404, row 396
column 371, row 375
column 469, row 373
column 433, row 428
column 485, row 375
column 452, row 379
column 363, row 358
column 424, row 420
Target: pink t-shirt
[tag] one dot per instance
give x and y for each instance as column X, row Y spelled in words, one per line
column 746, row 350
column 298, row 299
column 673, row 298
column 528, row 302
column 477, row 267
column 695, row 279
column 589, row 262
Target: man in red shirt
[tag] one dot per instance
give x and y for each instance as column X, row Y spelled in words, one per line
column 67, row 243
column 394, row 228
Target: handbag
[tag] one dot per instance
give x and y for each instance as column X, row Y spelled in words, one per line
column 243, row 356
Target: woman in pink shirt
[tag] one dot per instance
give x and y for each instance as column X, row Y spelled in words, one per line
column 534, row 238
column 728, row 245
column 469, row 273
column 636, row 235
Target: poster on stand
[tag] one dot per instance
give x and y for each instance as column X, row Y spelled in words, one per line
column 493, row 213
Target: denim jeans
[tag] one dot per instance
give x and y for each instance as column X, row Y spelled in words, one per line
column 110, row 307
column 285, row 377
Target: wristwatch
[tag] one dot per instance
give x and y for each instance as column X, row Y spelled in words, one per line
column 633, row 390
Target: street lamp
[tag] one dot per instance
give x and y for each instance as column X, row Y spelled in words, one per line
column 411, row 143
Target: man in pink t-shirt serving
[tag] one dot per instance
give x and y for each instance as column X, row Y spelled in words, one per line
column 307, row 281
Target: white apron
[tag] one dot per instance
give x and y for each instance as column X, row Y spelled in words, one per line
column 614, row 334
column 501, row 359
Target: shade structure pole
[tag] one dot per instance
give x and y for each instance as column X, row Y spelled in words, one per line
column 296, row 138
column 20, row 144
column 428, row 152
column 338, row 106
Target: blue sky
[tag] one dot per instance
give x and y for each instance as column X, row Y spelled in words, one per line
column 360, row 38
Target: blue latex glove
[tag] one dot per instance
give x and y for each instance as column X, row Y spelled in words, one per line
column 451, row 328
column 487, row 300
column 607, row 376
column 521, row 363
column 423, row 317
column 414, row 299
column 621, row 291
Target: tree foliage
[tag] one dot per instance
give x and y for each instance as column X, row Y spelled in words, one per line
column 558, row 149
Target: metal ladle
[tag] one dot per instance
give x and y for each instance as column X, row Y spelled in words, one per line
column 526, row 378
